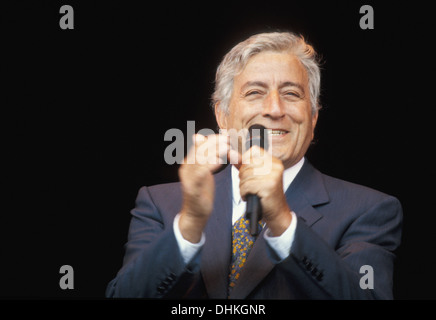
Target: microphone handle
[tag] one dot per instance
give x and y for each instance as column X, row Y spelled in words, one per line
column 253, row 213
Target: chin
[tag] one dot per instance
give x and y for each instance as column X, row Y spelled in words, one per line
column 279, row 153
column 281, row 157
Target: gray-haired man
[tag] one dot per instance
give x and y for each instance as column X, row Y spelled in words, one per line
column 187, row 239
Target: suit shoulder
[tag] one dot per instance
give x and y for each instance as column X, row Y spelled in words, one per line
column 164, row 187
column 356, row 193
column 166, row 197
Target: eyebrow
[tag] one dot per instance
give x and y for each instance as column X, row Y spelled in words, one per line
column 264, row 85
column 291, row 84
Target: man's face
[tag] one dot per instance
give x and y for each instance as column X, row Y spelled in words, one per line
column 273, row 91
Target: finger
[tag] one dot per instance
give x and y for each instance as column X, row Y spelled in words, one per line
column 223, row 143
column 234, row 157
column 211, row 151
column 197, row 140
column 250, row 185
column 252, row 154
column 248, row 174
column 218, row 147
column 205, row 150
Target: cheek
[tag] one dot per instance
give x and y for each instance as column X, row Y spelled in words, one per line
column 299, row 115
column 231, row 118
column 238, row 114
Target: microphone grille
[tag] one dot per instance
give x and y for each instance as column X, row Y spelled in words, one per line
column 257, row 135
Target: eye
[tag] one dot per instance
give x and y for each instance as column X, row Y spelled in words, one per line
column 292, row 94
column 252, row 93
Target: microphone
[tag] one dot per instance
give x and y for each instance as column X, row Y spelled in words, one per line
column 256, row 137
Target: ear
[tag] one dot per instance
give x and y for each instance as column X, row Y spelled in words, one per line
column 221, row 116
column 314, row 121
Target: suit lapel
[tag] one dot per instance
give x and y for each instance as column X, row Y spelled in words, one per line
column 307, row 190
column 217, row 248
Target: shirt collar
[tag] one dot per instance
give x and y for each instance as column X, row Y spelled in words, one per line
column 288, row 176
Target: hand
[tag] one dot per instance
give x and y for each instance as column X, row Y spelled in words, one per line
column 198, row 186
column 262, row 174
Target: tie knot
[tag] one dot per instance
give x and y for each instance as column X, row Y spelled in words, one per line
column 242, row 225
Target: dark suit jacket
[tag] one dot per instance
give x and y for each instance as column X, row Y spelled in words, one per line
column 341, row 227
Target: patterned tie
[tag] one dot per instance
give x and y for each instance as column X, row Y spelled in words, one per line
column 242, row 242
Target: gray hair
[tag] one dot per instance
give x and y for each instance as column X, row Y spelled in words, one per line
column 235, row 61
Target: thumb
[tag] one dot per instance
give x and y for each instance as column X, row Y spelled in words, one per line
column 197, row 140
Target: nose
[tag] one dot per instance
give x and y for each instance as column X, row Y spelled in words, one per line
column 273, row 106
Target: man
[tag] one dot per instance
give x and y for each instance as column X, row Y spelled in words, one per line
column 187, row 239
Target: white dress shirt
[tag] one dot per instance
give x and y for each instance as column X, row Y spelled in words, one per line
column 281, row 244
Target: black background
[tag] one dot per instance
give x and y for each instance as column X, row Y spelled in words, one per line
column 84, row 113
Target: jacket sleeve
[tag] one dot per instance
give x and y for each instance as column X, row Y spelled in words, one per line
column 152, row 265
column 323, row 272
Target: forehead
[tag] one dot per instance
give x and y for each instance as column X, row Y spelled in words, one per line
column 273, row 68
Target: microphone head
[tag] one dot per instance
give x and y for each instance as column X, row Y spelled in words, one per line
column 257, row 136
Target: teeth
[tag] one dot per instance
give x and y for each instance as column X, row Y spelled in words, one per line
column 276, row 132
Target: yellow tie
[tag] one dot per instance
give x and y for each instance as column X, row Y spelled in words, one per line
column 242, row 242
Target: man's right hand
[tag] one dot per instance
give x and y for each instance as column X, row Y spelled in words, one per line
column 198, row 186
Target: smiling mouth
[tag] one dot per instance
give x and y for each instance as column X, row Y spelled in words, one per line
column 276, row 132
